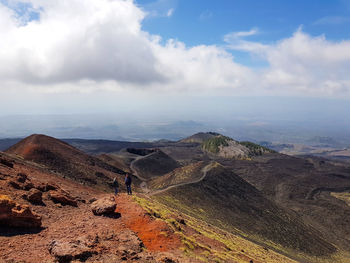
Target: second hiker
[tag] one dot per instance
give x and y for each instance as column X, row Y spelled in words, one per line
column 115, row 185
column 128, row 183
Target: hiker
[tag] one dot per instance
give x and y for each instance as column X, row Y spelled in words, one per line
column 128, row 183
column 116, row 185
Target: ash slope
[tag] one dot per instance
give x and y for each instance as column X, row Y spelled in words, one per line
column 227, row 201
column 64, row 159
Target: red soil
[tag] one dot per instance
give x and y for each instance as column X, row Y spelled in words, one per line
column 116, row 236
column 155, row 234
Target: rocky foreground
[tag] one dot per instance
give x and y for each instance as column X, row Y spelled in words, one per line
column 45, row 218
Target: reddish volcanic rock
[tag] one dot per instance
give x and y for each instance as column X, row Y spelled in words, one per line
column 62, row 198
column 66, row 251
column 13, row 214
column 34, row 196
column 104, row 206
column 45, row 187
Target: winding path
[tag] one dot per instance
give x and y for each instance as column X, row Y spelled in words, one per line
column 204, row 171
column 149, row 192
column 132, row 166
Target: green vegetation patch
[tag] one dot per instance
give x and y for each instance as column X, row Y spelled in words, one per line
column 256, row 149
column 213, row 144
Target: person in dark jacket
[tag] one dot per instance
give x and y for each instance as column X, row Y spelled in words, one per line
column 128, row 183
column 116, row 185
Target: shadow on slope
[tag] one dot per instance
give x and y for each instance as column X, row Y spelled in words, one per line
column 154, row 164
column 306, row 187
column 224, row 199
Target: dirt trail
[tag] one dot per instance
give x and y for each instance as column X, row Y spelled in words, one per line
column 144, row 186
column 204, row 174
column 132, row 168
column 154, row 233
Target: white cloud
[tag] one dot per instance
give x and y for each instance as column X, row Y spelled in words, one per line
column 235, row 40
column 75, row 40
column 301, row 64
column 93, row 45
column 237, row 35
column 101, row 41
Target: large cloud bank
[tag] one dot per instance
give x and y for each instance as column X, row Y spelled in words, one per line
column 99, row 44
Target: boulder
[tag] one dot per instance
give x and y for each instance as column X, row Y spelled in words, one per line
column 130, row 247
column 67, row 251
column 62, row 198
column 27, row 185
column 104, row 206
column 45, row 187
column 16, row 215
column 34, row 196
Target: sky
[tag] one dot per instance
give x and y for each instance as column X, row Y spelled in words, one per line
column 176, row 59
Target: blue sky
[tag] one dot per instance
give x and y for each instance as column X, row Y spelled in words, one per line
column 206, row 22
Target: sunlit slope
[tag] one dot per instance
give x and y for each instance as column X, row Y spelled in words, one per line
column 64, row 159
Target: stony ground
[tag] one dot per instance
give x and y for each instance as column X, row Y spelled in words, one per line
column 71, row 233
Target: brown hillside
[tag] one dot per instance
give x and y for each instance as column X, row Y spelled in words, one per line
column 64, row 159
column 305, row 186
column 227, row 201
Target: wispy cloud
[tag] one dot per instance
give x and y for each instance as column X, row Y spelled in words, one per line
column 205, row 15
column 236, row 35
column 236, row 41
column 170, row 12
column 332, row 20
column 160, row 8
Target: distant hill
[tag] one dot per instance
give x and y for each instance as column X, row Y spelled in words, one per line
column 105, row 146
column 153, row 164
column 199, row 137
column 228, row 148
column 7, row 143
column 62, row 158
column 323, row 140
